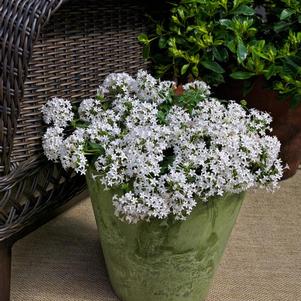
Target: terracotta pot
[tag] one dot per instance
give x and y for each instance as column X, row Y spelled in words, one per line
column 286, row 121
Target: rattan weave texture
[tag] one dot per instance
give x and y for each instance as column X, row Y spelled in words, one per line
column 53, row 48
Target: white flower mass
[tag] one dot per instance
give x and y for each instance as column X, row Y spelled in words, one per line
column 165, row 152
column 57, row 111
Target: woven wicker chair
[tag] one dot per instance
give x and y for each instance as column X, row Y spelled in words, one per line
column 51, row 48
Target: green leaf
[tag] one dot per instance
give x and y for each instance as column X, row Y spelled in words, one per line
column 213, row 66
column 176, row 20
column 236, row 3
column 161, row 70
column 278, row 27
column 244, row 103
column 242, row 75
column 299, row 19
column 226, row 22
column 294, row 66
column 181, row 13
column 244, row 10
column 146, row 51
column 218, row 42
column 161, row 117
column 220, row 53
column 167, row 161
column 270, row 72
column 126, row 187
column 217, row 54
column 143, row 38
column 95, row 147
column 184, row 69
column 232, row 46
column 162, row 43
column 242, row 52
column 197, row 28
column 260, row 54
column 286, row 13
column 195, row 71
column 159, row 29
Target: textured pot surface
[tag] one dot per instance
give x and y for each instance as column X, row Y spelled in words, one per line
column 163, row 260
column 286, row 120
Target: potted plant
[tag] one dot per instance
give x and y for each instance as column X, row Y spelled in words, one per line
column 243, row 48
column 167, row 169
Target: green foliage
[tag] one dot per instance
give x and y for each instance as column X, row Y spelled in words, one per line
column 187, row 100
column 215, row 39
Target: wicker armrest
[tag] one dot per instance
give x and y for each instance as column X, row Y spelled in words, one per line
column 53, row 48
column 21, row 22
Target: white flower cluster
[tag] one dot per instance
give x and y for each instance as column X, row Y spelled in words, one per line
column 202, row 87
column 57, row 111
column 164, row 166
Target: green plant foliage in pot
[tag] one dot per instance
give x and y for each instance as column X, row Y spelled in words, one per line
column 243, row 48
column 167, row 169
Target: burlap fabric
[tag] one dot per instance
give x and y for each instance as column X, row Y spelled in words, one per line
column 62, row 260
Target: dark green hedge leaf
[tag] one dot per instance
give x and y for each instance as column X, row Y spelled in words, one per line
column 281, row 26
column 195, row 71
column 242, row 75
column 213, row 66
column 286, row 13
column 244, row 10
column 220, row 54
column 270, row 72
column 232, row 46
column 162, row 42
column 184, row 69
column 242, row 52
column 226, row 22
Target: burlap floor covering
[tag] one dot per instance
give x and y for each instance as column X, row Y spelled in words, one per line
column 62, row 260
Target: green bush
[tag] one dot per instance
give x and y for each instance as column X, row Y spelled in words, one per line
column 215, row 39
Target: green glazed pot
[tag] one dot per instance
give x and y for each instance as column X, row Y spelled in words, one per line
column 163, row 260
